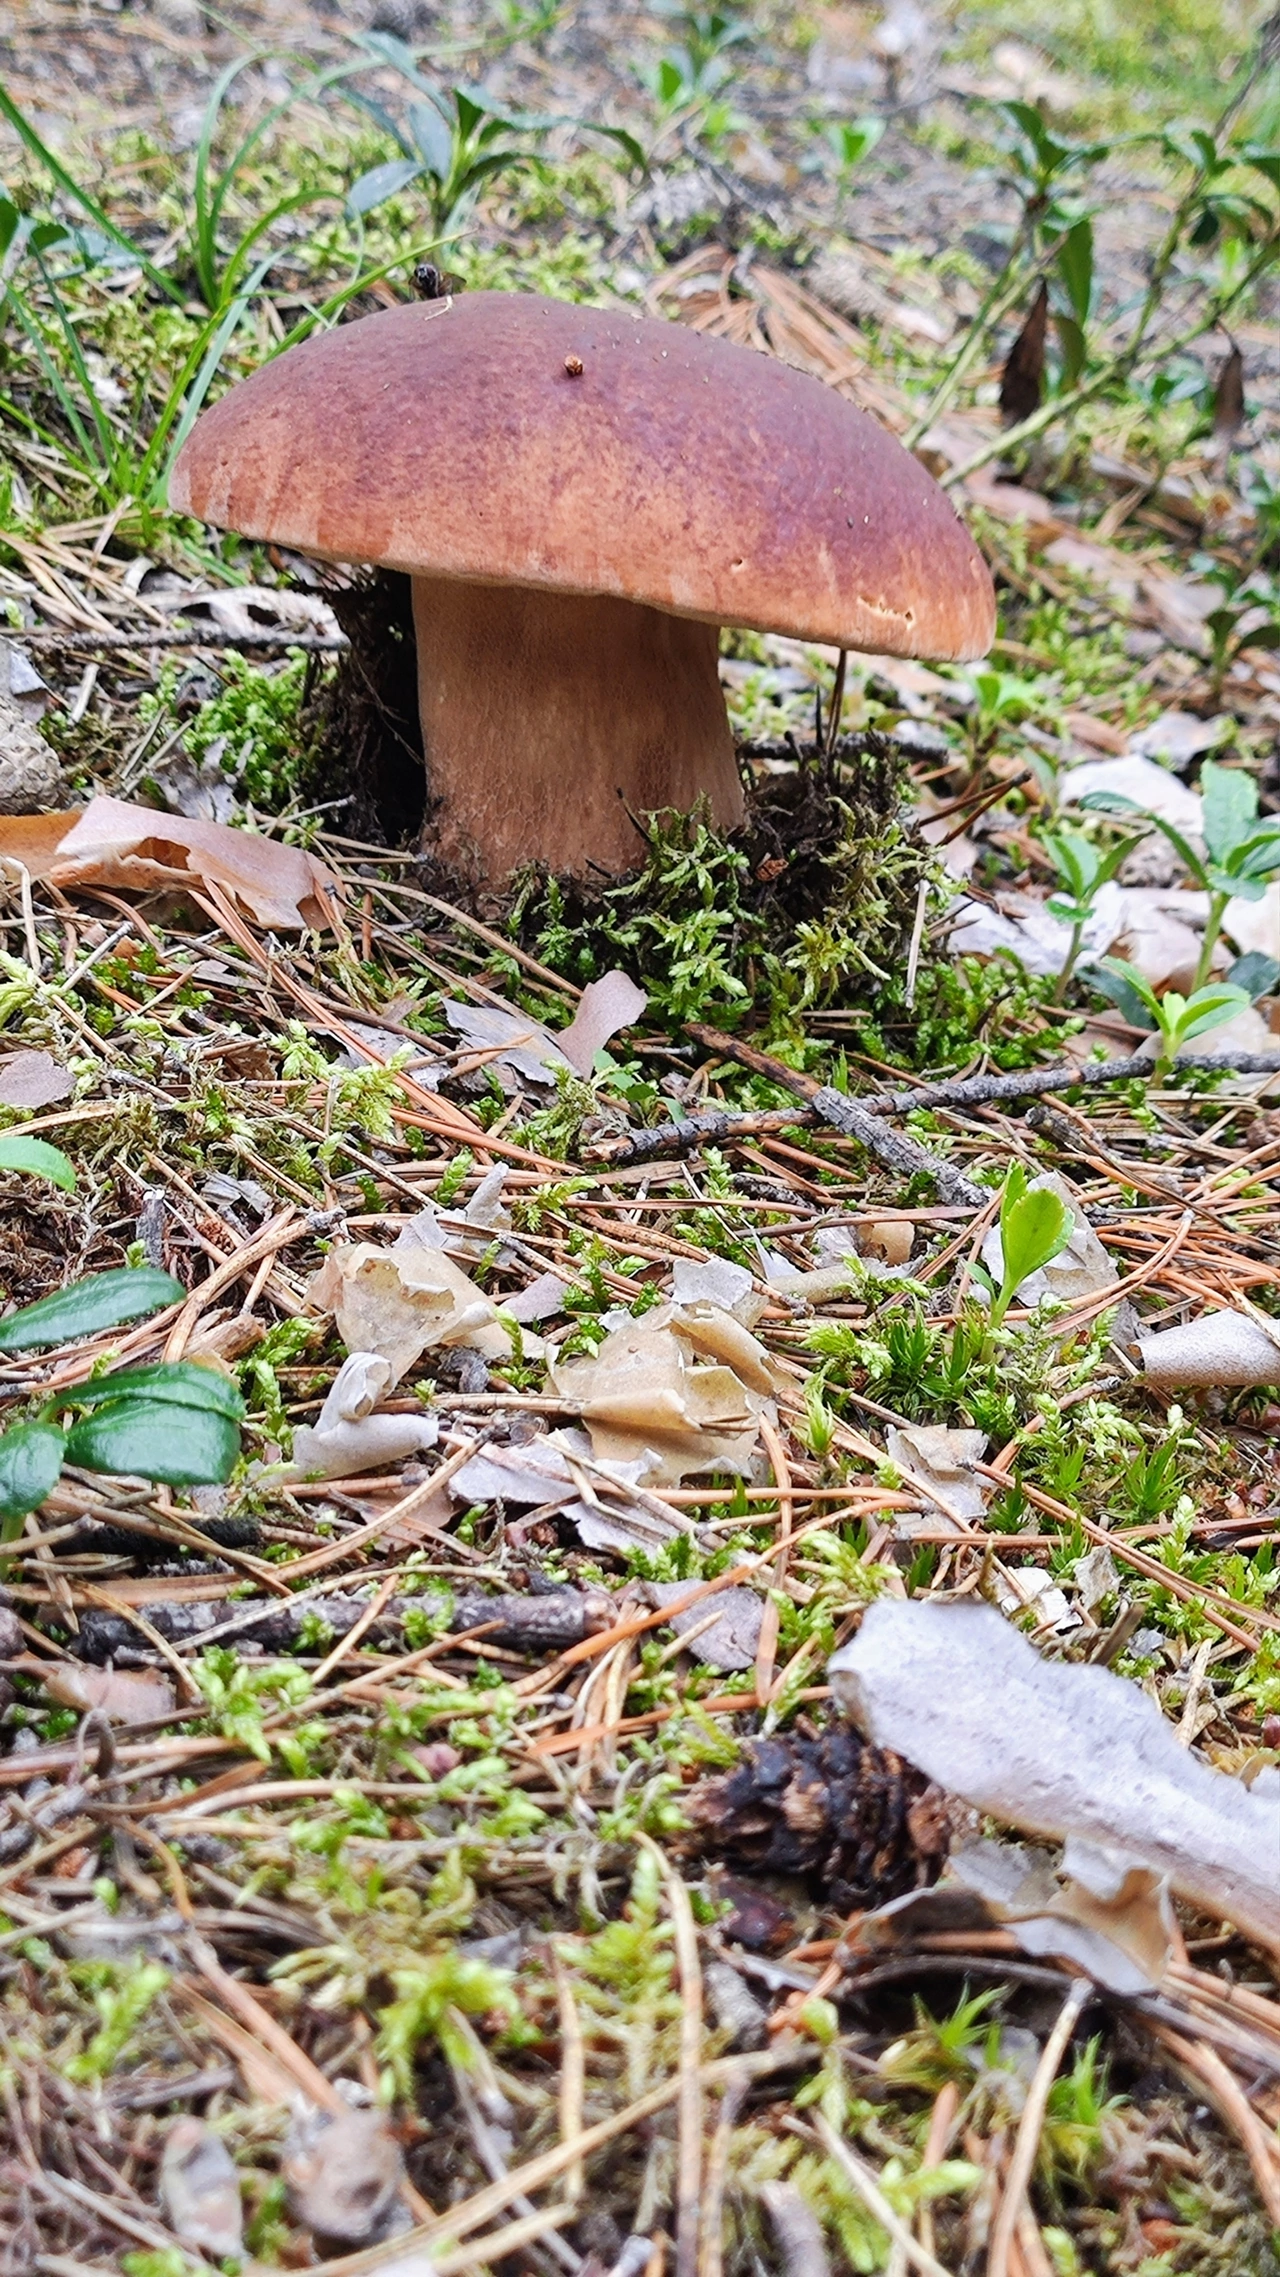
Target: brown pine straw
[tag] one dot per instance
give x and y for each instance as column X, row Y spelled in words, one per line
column 1191, row 1592
column 691, row 2103
column 487, row 2204
column 1207, row 2069
column 1027, row 2141
column 777, row 1454
column 711, row 2242
column 572, row 2075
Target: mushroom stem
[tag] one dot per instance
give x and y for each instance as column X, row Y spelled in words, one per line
column 550, row 719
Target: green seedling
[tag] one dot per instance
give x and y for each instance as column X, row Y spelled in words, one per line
column 1001, row 699
column 1177, row 1019
column 1247, row 618
column 174, row 1422
column 850, row 141
column 452, row 140
column 455, row 142
column 1034, row 1226
column 689, row 74
column 1083, row 870
column 1241, row 855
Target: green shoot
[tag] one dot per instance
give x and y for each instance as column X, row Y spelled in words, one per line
column 850, row 140
column 1083, row 870
column 1034, row 1226
column 1178, row 1018
column 1241, row 856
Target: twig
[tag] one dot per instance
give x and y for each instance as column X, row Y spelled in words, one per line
column 797, row 2229
column 316, row 644
column 1027, row 2141
column 714, row 1128
column 905, row 1155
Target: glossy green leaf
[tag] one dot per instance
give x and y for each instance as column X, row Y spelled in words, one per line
column 1075, row 267
column 1208, row 1008
column 101, row 1300
column 1117, row 981
column 31, row 1457
column 433, row 138
column 179, row 1383
column 39, row 1160
column 156, row 1439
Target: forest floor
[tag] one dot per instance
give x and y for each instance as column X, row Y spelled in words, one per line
column 438, row 1845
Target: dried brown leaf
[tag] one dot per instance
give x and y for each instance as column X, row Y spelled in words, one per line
column 123, row 1695
column 33, row 1079
column 114, row 843
column 1022, row 381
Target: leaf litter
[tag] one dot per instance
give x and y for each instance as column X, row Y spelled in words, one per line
column 410, row 1805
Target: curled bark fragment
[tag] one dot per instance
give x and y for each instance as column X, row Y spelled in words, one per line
column 1061, row 1751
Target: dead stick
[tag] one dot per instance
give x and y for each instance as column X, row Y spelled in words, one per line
column 185, row 636
column 717, row 1127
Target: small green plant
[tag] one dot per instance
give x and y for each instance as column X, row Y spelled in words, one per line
column 1224, row 223
column 1001, row 699
column 1176, row 1019
column 692, row 72
column 1245, row 618
column 1083, row 870
column 174, row 1422
column 121, row 2002
column 240, row 1693
column 430, row 1999
column 849, row 141
column 454, row 140
column 1035, row 1225
column 1241, row 855
column 252, row 729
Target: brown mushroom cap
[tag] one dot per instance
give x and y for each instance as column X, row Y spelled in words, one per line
column 461, row 440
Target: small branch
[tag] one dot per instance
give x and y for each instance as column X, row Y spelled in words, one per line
column 721, row 1127
column 904, row 1155
column 316, row 644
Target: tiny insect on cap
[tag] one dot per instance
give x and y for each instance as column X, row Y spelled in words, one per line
column 505, row 439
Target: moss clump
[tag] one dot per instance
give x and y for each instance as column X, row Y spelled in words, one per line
column 810, row 904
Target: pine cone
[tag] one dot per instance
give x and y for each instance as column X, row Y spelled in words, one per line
column 857, row 1821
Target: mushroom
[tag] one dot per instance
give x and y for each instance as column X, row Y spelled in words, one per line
column 582, row 498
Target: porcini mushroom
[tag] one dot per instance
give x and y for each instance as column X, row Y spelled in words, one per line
column 582, row 498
